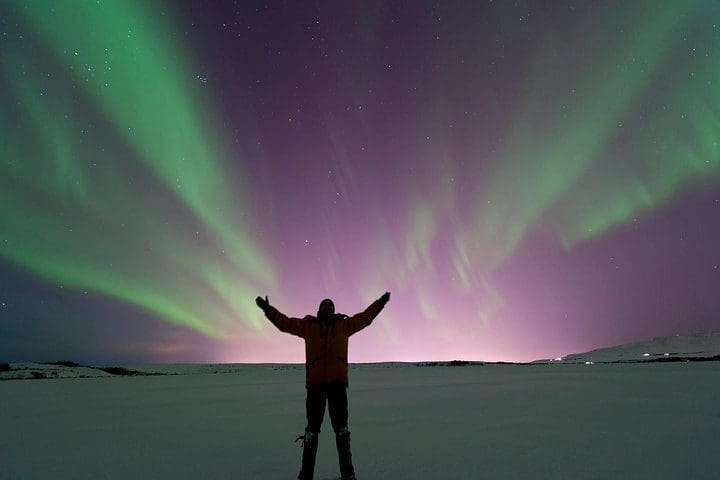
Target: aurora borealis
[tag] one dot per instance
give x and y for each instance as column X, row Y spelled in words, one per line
column 528, row 179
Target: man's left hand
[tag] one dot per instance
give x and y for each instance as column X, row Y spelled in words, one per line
column 262, row 303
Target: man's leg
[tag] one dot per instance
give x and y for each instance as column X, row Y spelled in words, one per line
column 315, row 411
column 337, row 404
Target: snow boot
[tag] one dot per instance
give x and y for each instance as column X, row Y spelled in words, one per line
column 310, row 446
column 342, row 440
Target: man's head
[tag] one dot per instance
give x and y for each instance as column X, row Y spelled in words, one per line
column 326, row 309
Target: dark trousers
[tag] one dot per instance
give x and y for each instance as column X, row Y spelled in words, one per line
column 335, row 394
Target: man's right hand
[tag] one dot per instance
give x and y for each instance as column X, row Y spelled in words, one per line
column 262, row 303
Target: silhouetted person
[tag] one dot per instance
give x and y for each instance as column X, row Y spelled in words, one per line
column 326, row 373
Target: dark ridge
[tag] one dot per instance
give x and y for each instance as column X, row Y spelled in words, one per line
column 111, row 370
column 5, row 367
column 62, row 363
column 120, row 371
column 452, row 363
column 714, row 358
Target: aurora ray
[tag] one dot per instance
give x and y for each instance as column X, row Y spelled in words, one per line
column 128, row 71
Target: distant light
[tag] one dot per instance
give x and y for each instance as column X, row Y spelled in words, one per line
column 666, row 354
column 646, row 354
column 589, row 363
column 558, row 359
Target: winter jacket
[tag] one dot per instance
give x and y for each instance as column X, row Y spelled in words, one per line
column 326, row 344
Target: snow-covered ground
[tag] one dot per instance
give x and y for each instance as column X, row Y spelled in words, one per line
column 546, row 421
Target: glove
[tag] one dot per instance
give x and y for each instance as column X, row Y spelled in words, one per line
column 262, row 303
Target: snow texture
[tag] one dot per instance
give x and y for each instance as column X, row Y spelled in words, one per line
column 546, row 421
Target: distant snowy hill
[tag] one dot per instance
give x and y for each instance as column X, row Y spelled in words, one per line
column 31, row 370
column 690, row 346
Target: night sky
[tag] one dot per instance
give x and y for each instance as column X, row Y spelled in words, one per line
column 528, row 179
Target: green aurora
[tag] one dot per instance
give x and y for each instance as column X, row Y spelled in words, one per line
column 577, row 115
column 95, row 230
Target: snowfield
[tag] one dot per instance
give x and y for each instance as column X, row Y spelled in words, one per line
column 546, row 421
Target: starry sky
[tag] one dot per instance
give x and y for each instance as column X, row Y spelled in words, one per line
column 528, row 178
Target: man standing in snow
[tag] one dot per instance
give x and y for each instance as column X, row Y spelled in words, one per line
column 326, row 373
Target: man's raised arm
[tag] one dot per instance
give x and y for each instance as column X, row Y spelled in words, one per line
column 291, row 325
column 361, row 320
